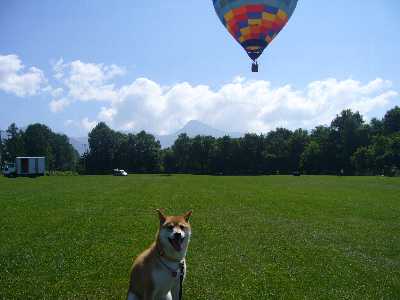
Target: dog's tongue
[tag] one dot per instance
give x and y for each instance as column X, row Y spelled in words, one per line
column 176, row 244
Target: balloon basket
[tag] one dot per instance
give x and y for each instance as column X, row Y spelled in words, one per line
column 254, row 67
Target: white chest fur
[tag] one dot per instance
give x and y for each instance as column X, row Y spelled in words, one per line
column 165, row 284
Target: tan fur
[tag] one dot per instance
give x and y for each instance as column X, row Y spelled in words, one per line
column 142, row 284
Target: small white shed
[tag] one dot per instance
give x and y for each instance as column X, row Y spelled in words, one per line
column 30, row 166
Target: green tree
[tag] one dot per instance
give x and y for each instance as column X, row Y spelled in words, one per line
column 224, row 159
column 391, row 121
column 277, row 152
column 146, row 153
column 169, row 162
column 376, row 127
column 65, row 157
column 14, row 143
column 2, row 149
column 103, row 145
column 202, row 151
column 310, row 161
column 181, row 149
column 40, row 140
column 251, row 159
column 363, row 160
column 297, row 143
column 349, row 134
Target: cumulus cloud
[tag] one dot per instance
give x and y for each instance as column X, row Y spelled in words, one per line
column 85, row 124
column 84, row 82
column 15, row 79
column 107, row 114
column 57, row 92
column 87, row 81
column 59, row 105
column 241, row 105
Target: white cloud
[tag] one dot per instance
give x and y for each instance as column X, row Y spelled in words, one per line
column 241, row 105
column 59, row 68
column 57, row 92
column 16, row 80
column 84, row 124
column 88, row 125
column 107, row 114
column 59, row 105
column 87, row 81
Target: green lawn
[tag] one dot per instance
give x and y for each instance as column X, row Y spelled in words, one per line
column 276, row 237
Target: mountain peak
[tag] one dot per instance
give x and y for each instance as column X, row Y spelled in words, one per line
column 195, row 127
column 194, row 123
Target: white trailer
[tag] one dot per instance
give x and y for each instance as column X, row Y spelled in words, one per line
column 26, row 166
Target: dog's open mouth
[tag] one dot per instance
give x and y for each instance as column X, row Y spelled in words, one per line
column 176, row 243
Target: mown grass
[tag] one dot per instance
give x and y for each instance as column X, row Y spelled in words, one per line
column 276, row 237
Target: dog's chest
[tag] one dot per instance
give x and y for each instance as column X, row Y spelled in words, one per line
column 164, row 281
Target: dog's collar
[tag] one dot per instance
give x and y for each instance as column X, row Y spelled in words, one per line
column 174, row 272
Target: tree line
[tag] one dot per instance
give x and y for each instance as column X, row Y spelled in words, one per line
column 39, row 140
column 348, row 146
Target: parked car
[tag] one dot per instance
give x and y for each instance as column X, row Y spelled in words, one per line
column 119, row 172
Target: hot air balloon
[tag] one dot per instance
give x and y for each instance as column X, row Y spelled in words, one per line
column 254, row 23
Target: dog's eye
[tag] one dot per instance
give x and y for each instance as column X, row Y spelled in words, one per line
column 182, row 227
column 170, row 227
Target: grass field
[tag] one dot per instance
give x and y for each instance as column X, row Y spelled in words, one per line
column 275, row 237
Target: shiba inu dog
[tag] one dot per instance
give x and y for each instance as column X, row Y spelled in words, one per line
column 158, row 273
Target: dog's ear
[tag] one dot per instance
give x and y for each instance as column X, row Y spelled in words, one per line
column 187, row 215
column 161, row 216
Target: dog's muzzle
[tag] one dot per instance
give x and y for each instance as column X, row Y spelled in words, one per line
column 176, row 241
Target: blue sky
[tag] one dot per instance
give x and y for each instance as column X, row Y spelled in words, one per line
column 155, row 65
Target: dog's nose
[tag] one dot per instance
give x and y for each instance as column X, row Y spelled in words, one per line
column 177, row 236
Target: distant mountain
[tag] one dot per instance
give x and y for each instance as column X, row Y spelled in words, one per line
column 79, row 143
column 192, row 128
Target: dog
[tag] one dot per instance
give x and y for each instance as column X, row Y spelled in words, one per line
column 158, row 273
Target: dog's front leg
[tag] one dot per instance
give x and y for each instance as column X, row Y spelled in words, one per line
column 132, row 296
column 167, row 297
column 148, row 295
column 175, row 291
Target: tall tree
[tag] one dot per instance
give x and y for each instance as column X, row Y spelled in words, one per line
column 169, row 162
column 391, row 121
column 364, row 161
column 223, row 159
column 37, row 139
column 202, row 150
column 40, row 140
column 65, row 157
column 297, row 143
column 14, row 143
column 102, row 144
column 349, row 134
column 146, row 153
column 277, row 150
column 2, row 149
column 181, row 149
column 252, row 159
column 310, row 161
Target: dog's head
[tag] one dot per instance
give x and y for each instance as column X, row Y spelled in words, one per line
column 174, row 234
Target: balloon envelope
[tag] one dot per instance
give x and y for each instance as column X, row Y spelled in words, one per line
column 254, row 23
